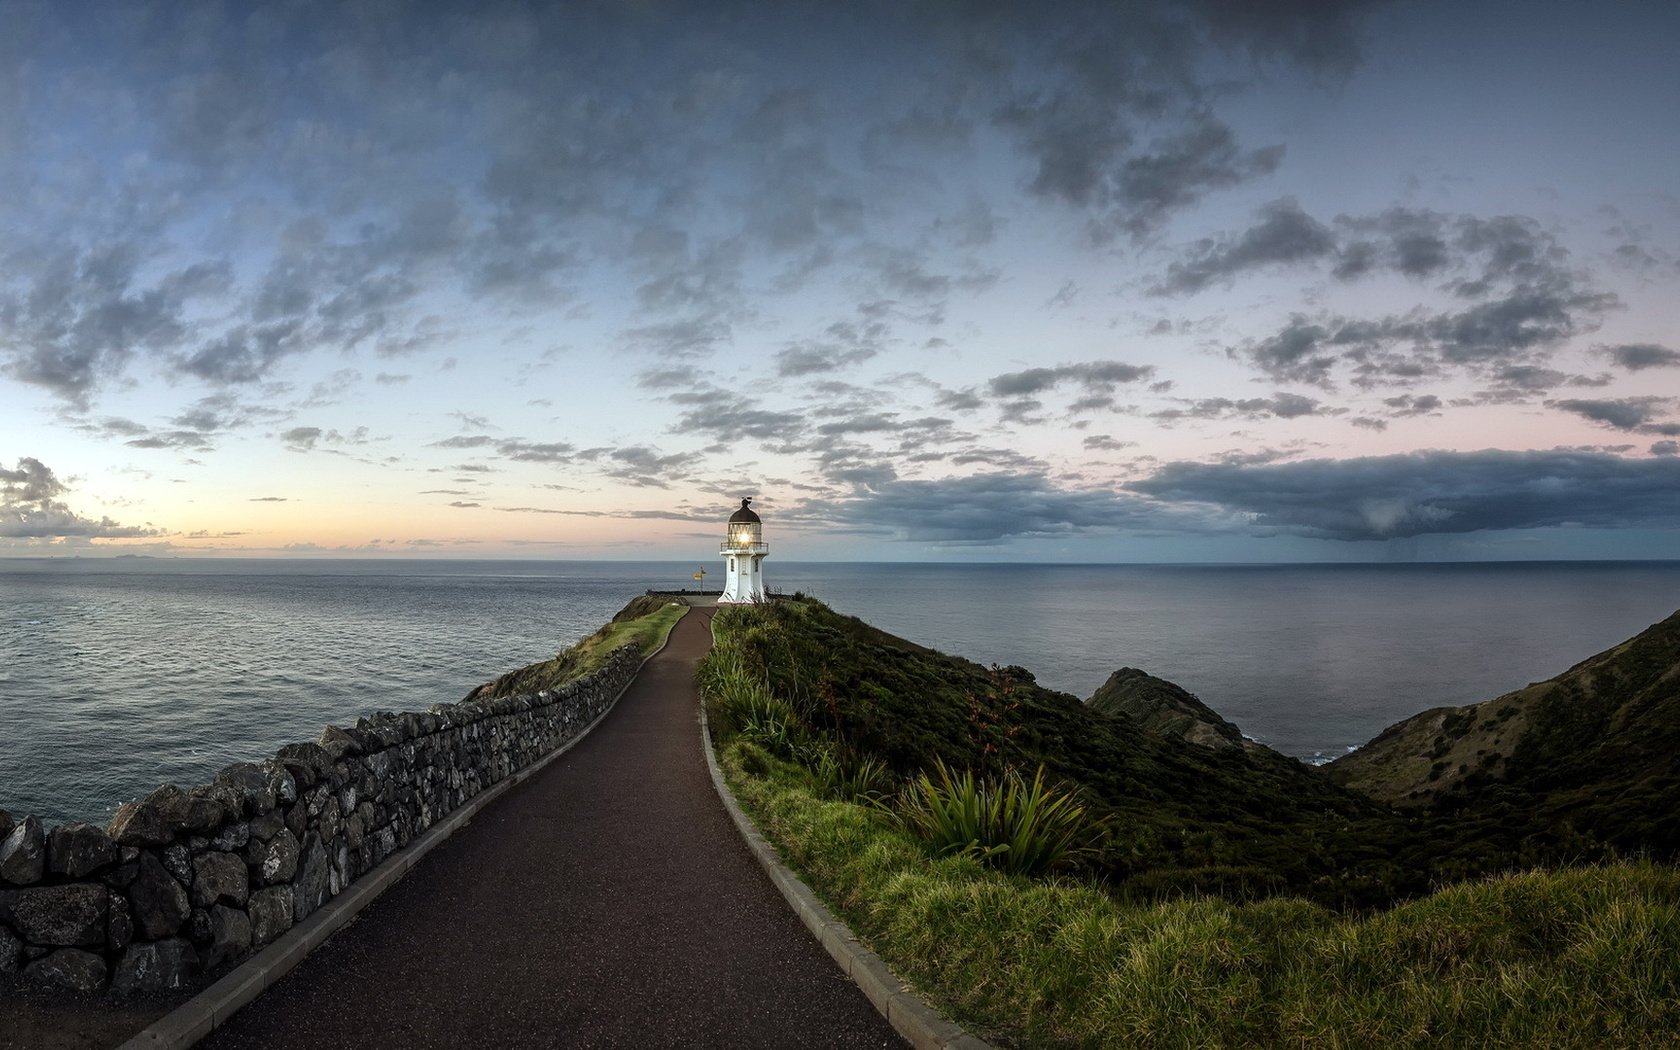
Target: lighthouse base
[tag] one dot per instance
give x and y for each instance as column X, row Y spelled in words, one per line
column 744, row 579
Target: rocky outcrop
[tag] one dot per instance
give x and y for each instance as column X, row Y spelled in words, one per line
column 1164, row 709
column 187, row 881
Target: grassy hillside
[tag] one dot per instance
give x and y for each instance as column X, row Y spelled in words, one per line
column 1234, row 821
column 1584, row 764
column 804, row 700
column 646, row 621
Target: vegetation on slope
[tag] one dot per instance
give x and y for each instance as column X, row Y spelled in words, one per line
column 1166, row 708
column 1583, row 765
column 1180, row 819
column 1579, row 958
column 646, row 621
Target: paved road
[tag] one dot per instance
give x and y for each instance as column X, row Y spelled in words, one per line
column 608, row 901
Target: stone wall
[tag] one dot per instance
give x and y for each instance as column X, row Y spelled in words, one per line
column 182, row 884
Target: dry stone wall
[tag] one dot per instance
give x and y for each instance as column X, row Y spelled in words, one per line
column 183, row 883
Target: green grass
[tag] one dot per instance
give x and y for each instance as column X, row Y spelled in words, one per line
column 646, row 621
column 1132, row 952
column 1578, row 958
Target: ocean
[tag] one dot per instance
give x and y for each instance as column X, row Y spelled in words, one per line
column 120, row 674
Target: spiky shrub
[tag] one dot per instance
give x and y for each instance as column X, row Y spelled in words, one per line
column 845, row 776
column 1019, row 826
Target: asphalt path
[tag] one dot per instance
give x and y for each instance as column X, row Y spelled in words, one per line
column 607, row 901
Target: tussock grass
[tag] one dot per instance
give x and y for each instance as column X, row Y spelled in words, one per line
column 1587, row 957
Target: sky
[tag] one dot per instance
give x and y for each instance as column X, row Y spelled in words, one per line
column 1313, row 280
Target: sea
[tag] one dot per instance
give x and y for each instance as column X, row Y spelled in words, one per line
column 118, row 674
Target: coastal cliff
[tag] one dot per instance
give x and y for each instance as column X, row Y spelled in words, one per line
column 1165, row 708
column 1592, row 754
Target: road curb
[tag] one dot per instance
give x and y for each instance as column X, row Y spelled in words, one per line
column 211, row 1008
column 924, row 1027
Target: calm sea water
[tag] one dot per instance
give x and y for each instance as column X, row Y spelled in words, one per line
column 117, row 675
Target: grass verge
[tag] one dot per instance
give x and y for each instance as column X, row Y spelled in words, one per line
column 646, row 621
column 1578, row 958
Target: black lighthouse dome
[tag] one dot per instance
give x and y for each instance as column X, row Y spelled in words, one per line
column 745, row 514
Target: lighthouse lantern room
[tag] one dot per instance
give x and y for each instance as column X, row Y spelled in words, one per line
column 744, row 551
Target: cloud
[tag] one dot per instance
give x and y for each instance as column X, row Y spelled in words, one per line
column 1636, row 357
column 1081, row 124
column 1281, row 406
column 985, row 508
column 30, row 509
column 1094, row 376
column 1285, row 234
column 301, row 439
column 1384, row 497
column 1628, row 413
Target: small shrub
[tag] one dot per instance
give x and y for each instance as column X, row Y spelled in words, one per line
column 845, row 776
column 1021, row 827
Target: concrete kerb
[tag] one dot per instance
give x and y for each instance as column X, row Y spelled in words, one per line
column 924, row 1027
column 204, row 1012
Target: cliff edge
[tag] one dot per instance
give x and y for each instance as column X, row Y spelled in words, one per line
column 1164, row 708
column 1596, row 748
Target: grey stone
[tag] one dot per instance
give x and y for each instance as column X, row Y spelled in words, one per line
column 23, row 853
column 271, row 914
column 157, row 966
column 156, row 819
column 309, row 764
column 119, row 926
column 279, row 859
column 220, row 877
column 71, row 915
column 157, row 900
column 285, row 786
column 267, row 826
column 231, row 838
column 75, row 850
column 11, row 951
column 297, row 819
column 309, row 890
column 120, row 876
column 177, row 860
column 230, row 936
column 6, row 823
column 251, row 784
column 330, row 822
column 339, row 743
column 69, row 968
column 198, row 926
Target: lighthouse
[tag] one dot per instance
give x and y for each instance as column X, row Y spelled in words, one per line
column 743, row 553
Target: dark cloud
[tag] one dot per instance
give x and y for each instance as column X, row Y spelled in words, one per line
column 1636, row 357
column 301, row 439
column 30, row 508
column 1413, row 405
column 536, row 451
column 1521, row 326
column 1081, row 123
column 1629, row 413
column 1285, row 234
column 1431, row 492
column 31, row 482
column 986, row 508
column 1098, row 377
column 1281, row 406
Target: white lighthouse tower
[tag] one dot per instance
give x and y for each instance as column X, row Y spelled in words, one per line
column 744, row 551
